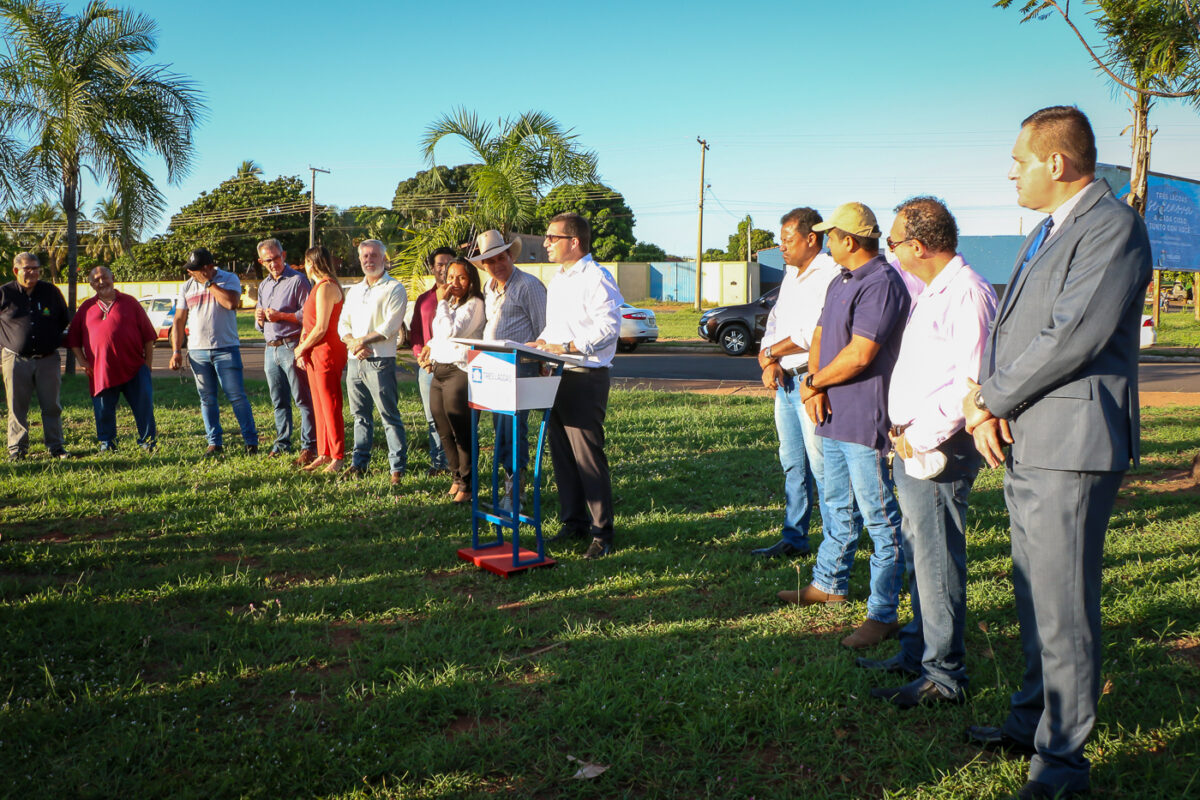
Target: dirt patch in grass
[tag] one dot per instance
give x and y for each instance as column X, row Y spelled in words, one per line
column 464, row 725
column 289, row 579
column 1187, row 648
column 235, row 558
column 1169, row 481
column 54, row 537
column 343, row 634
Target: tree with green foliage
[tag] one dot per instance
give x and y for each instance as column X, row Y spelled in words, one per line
column 518, row 160
column 76, row 91
column 646, row 251
column 111, row 232
column 612, row 220
column 759, row 240
column 230, row 221
column 1151, row 49
column 433, row 193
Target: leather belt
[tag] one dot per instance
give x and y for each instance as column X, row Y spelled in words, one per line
column 280, row 342
column 796, row 372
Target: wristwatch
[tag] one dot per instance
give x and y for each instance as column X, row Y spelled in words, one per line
column 766, row 351
column 977, row 399
column 208, row 283
column 808, row 381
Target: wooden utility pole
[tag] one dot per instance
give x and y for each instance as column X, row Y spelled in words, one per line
column 312, row 206
column 700, row 224
column 749, row 228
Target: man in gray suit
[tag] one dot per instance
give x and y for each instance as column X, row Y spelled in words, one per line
column 1059, row 384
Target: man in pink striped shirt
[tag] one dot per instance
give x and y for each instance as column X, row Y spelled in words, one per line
column 936, row 460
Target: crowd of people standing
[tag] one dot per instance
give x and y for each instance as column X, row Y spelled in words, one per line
column 893, row 382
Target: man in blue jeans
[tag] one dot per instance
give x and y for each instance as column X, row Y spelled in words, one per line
column 279, row 315
column 207, row 311
column 850, row 364
column 936, row 460
column 371, row 318
column 784, row 362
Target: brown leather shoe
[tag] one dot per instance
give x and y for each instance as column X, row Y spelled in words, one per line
column 811, row 596
column 870, row 633
column 397, row 477
column 304, row 459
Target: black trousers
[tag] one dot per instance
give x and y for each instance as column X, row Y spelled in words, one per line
column 576, row 433
column 452, row 416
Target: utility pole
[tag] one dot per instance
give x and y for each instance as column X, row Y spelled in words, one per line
column 749, row 228
column 700, row 224
column 312, row 206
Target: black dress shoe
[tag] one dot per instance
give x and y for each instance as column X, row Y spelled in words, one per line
column 990, row 738
column 1035, row 790
column 566, row 534
column 780, row 549
column 894, row 665
column 920, row 692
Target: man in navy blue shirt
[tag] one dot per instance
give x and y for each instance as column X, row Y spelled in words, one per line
column 853, row 351
column 281, row 296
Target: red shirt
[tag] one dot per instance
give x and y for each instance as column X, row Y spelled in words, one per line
column 419, row 333
column 113, row 341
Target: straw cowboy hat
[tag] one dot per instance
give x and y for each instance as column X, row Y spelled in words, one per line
column 489, row 243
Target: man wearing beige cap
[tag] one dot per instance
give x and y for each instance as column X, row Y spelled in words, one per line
column 853, row 350
column 516, row 311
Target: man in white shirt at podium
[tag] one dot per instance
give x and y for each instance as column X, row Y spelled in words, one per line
column 583, row 318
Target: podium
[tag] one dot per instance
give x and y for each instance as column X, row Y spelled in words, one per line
column 508, row 378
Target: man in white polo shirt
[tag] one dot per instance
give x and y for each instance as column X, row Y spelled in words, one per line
column 783, row 359
column 583, row 318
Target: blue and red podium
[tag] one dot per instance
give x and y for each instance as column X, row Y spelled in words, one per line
column 508, row 378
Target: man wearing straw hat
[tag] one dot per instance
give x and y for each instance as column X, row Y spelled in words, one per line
column 516, row 311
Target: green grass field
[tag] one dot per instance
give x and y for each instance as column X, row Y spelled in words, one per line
column 1178, row 328
column 178, row 628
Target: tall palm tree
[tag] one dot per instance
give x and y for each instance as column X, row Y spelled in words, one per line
column 249, row 169
column 519, row 159
column 75, row 88
column 112, row 232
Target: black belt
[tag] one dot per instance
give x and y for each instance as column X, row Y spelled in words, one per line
column 280, row 342
column 795, row 372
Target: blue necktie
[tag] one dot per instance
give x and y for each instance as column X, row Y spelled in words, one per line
column 1038, row 241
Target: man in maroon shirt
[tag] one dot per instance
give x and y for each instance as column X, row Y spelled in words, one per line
column 113, row 340
column 419, row 336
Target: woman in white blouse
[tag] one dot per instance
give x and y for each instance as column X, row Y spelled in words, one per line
column 459, row 314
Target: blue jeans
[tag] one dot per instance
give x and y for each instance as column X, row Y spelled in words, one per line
column 437, row 456
column 857, row 474
column 286, row 383
column 222, row 367
column 502, row 424
column 139, row 393
column 801, row 456
column 935, row 548
column 371, row 384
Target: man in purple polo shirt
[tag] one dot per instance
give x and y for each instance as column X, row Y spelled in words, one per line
column 278, row 314
column 854, row 348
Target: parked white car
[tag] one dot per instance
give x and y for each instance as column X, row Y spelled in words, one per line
column 638, row 326
column 161, row 309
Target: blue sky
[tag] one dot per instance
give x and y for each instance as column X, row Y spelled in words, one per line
column 802, row 103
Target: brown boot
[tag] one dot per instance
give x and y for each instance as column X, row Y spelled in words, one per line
column 811, row 596
column 870, row 633
column 304, row 459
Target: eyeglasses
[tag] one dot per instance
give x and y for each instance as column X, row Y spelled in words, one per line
column 28, row 268
column 554, row 237
column 893, row 245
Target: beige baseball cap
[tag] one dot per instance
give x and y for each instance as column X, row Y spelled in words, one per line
column 853, row 218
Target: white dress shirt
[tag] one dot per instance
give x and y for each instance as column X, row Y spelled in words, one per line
column 942, row 347
column 458, row 320
column 375, row 309
column 798, row 307
column 583, row 306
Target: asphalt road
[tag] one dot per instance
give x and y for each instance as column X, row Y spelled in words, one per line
column 706, row 366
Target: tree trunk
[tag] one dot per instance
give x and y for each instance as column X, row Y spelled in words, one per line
column 70, row 204
column 1139, row 165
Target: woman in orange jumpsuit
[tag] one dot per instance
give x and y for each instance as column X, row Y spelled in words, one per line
column 323, row 355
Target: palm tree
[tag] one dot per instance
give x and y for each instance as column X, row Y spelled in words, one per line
column 518, row 161
column 77, row 91
column 248, row 169
column 112, row 232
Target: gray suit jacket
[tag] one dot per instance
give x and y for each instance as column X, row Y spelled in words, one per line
column 1061, row 359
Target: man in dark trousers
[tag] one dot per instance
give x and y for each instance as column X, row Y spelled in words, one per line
column 1059, row 384
column 583, row 318
column 33, row 316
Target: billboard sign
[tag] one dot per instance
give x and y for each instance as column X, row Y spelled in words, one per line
column 1172, row 216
